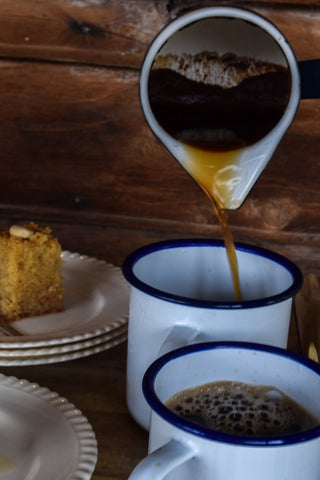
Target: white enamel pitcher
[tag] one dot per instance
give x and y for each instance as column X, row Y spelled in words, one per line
column 248, row 35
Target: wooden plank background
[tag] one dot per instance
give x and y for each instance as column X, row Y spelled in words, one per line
column 77, row 154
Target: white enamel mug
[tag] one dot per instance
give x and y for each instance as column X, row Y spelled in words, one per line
column 182, row 293
column 181, row 450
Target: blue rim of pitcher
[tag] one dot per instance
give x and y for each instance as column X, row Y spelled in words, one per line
column 131, row 260
column 271, row 441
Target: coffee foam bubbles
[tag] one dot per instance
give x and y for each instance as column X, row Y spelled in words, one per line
column 242, row 409
column 226, row 71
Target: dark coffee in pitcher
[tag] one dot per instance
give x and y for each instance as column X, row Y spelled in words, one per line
column 217, row 103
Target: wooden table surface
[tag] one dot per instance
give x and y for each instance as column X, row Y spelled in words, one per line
column 96, row 385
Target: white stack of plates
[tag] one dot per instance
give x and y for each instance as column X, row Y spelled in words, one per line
column 94, row 319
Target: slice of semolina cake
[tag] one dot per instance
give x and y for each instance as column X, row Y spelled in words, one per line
column 30, row 280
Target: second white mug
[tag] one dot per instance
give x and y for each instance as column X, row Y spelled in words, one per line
column 180, row 449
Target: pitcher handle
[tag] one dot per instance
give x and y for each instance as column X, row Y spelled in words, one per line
column 160, row 462
column 310, row 78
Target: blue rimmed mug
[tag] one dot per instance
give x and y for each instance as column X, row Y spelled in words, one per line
column 181, row 450
column 182, row 293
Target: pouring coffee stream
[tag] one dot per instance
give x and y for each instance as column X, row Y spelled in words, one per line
column 219, row 87
column 229, row 243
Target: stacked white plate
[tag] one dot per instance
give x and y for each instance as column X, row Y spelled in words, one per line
column 94, row 319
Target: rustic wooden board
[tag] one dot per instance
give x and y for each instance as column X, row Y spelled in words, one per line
column 113, row 33
column 117, row 33
column 178, row 6
column 77, row 140
column 75, row 149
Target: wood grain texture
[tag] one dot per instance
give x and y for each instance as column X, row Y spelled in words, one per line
column 92, row 156
column 112, row 33
column 75, row 147
column 176, row 7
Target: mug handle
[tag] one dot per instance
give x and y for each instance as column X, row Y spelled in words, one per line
column 160, row 462
column 310, row 78
column 179, row 336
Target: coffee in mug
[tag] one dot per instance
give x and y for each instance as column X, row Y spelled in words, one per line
column 239, row 408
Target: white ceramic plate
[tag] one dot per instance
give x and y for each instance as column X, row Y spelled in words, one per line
column 65, row 347
column 96, row 303
column 24, row 361
column 43, row 435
